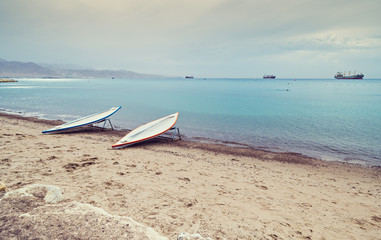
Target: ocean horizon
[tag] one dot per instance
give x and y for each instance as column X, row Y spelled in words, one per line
column 329, row 119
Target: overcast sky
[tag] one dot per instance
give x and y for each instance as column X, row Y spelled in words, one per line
column 204, row 38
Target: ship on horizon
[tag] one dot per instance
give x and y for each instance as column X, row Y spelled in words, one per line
column 269, row 76
column 340, row 75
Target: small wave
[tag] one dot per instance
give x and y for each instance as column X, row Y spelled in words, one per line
column 67, row 117
column 217, row 141
column 359, row 162
column 24, row 113
column 19, row 87
column 49, row 79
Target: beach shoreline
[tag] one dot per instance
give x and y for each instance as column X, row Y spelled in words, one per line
column 218, row 191
column 208, row 144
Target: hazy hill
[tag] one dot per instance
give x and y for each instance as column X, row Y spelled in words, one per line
column 21, row 69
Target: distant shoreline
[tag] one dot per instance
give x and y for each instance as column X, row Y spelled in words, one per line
column 5, row 80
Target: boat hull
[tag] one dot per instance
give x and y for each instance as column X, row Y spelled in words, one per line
column 340, row 75
column 147, row 131
column 354, row 77
column 269, row 76
column 81, row 122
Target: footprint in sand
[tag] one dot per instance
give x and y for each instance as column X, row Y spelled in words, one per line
column 262, row 187
column 71, row 167
column 184, row 179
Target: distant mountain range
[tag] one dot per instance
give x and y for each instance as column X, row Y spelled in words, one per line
column 15, row 69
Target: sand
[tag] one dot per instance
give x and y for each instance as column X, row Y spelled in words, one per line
column 170, row 187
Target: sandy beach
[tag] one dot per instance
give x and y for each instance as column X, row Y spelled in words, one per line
column 216, row 191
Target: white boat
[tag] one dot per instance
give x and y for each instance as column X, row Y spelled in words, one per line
column 84, row 121
column 148, row 131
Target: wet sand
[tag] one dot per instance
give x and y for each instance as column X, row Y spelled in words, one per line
column 216, row 191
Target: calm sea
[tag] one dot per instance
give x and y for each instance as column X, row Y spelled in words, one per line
column 334, row 120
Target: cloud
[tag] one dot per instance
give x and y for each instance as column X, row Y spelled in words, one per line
column 171, row 36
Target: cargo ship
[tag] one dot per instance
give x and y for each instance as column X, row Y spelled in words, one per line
column 269, row 76
column 340, row 75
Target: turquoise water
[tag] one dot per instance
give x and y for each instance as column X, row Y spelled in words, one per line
column 334, row 120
